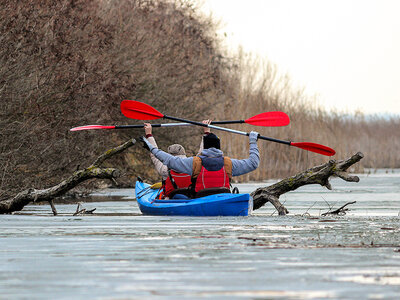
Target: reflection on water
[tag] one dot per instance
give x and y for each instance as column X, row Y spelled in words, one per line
column 117, row 253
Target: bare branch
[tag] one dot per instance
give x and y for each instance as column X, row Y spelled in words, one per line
column 93, row 171
column 340, row 210
column 315, row 175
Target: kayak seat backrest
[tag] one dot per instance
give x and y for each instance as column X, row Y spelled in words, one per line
column 212, row 191
column 184, row 191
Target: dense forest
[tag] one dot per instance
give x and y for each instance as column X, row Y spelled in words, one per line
column 67, row 63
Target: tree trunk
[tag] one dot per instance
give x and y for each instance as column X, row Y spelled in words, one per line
column 315, row 175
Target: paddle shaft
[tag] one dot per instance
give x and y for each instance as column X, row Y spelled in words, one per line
column 266, row 119
column 225, row 129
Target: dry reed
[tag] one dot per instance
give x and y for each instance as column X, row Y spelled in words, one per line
column 68, row 63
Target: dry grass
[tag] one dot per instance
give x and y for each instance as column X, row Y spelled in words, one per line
column 256, row 86
column 66, row 63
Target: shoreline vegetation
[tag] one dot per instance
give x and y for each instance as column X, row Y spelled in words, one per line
column 70, row 63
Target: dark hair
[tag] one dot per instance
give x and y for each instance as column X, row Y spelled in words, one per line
column 211, row 141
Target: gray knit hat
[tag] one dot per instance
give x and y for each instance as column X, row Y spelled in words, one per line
column 176, row 149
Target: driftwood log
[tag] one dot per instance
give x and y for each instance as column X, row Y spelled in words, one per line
column 93, row 171
column 315, row 175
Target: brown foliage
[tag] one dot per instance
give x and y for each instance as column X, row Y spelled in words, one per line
column 68, row 63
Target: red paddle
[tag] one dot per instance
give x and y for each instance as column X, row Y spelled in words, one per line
column 270, row 119
column 267, row 119
column 142, row 111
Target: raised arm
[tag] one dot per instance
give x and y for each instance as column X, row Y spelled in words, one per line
column 206, row 131
column 159, row 166
column 243, row 166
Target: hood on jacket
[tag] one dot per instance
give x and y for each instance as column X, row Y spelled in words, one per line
column 212, row 152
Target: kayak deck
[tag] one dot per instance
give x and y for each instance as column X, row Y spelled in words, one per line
column 213, row 205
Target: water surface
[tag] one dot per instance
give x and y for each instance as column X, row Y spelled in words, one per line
column 119, row 254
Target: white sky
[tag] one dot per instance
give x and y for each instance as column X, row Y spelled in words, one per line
column 347, row 52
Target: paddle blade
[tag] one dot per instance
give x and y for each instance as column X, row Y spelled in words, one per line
column 321, row 149
column 271, row 118
column 91, row 127
column 139, row 110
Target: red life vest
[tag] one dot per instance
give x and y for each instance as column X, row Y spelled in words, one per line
column 211, row 172
column 175, row 181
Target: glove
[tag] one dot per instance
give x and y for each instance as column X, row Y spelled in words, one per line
column 253, row 137
column 145, row 143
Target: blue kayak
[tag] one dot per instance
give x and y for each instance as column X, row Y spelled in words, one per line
column 214, row 205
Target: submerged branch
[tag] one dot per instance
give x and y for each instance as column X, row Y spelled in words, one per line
column 93, row 171
column 315, row 175
column 340, row 211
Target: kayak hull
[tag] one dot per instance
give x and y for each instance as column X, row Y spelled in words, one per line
column 214, row 205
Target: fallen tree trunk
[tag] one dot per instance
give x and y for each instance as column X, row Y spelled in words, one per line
column 315, row 175
column 93, row 171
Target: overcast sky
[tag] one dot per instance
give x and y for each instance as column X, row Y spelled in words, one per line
column 345, row 51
